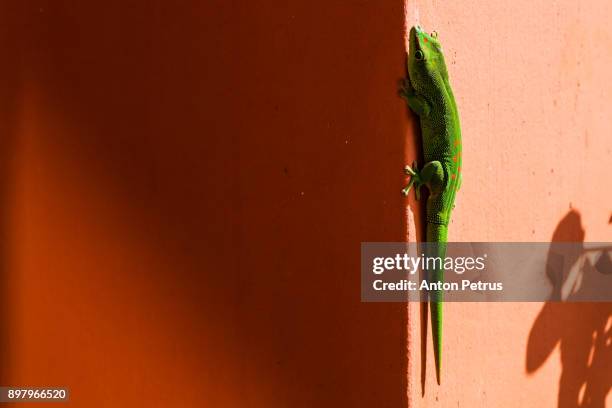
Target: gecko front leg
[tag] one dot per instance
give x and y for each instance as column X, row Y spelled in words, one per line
column 415, row 102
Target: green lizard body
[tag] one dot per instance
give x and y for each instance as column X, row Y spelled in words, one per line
column 429, row 95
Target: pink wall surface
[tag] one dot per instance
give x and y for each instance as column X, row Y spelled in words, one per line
column 530, row 78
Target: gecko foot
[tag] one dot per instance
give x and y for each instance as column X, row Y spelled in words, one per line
column 415, row 180
column 405, row 89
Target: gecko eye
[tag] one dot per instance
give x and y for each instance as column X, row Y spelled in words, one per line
column 419, row 56
column 434, row 34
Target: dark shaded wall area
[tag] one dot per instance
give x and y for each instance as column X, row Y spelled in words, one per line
column 185, row 187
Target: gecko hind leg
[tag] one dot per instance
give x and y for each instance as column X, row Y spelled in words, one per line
column 415, row 180
column 431, row 175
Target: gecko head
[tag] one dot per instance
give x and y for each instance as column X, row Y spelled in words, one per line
column 426, row 65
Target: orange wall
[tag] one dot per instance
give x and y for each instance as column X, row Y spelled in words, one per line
column 185, row 189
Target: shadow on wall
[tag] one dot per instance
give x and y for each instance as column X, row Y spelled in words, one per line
column 583, row 332
column 9, row 46
column 5, row 175
column 414, row 152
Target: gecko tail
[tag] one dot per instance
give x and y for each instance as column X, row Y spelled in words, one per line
column 436, row 331
column 437, row 238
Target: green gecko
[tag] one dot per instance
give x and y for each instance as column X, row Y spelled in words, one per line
column 428, row 94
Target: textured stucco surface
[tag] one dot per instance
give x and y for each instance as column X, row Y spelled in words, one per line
column 530, row 78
